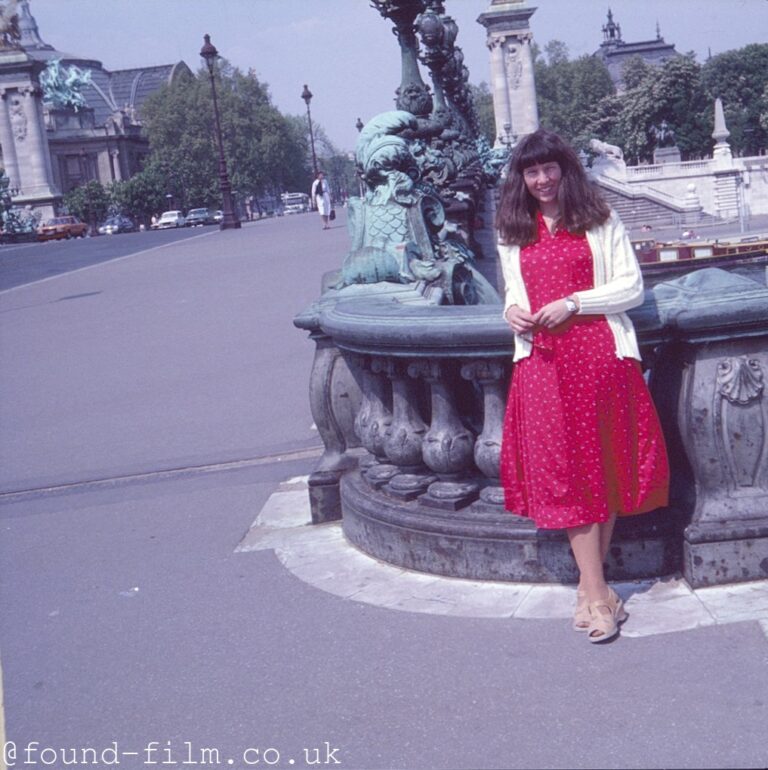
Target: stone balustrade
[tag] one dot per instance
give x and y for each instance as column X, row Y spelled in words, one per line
column 421, row 389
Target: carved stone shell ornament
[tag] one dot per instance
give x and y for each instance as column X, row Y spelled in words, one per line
column 740, row 380
column 740, row 419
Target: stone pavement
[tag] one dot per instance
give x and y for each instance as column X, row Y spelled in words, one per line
column 322, row 557
column 161, row 589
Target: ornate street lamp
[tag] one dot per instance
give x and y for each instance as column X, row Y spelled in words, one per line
column 306, row 95
column 229, row 219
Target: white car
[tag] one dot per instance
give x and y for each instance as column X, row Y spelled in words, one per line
column 170, row 219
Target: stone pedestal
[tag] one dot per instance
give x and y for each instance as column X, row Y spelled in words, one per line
column 667, row 155
column 715, row 369
column 723, row 420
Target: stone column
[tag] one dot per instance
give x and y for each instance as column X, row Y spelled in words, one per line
column 38, row 157
column 501, row 109
column 527, row 114
column 115, row 167
column 10, row 159
column 514, row 91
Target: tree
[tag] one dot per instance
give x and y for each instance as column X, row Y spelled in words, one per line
column 484, row 108
column 635, row 71
column 89, row 202
column 263, row 150
column 141, row 196
column 764, row 109
column 739, row 78
column 338, row 166
column 569, row 91
column 671, row 94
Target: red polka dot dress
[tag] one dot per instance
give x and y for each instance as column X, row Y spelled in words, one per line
column 581, row 435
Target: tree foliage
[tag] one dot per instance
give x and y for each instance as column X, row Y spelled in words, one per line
column 577, row 99
column 569, row 91
column 264, row 151
column 89, row 202
column 740, row 78
column 671, row 94
column 484, row 108
column 141, row 196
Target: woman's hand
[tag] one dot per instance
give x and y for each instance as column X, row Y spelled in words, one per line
column 552, row 315
column 520, row 320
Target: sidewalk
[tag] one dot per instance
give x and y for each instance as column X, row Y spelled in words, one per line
column 160, row 582
column 662, row 606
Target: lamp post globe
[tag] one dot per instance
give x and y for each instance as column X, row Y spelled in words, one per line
column 229, row 219
column 306, row 95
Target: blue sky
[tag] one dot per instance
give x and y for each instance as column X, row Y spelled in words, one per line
column 344, row 50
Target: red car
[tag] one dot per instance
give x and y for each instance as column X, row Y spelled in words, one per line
column 62, row 227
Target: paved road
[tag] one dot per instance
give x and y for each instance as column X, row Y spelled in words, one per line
column 27, row 262
column 150, row 407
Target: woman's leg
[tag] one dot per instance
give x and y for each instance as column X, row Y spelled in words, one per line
column 586, row 544
column 606, row 533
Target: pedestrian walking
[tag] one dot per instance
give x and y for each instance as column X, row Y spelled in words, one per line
column 582, row 441
column 322, row 197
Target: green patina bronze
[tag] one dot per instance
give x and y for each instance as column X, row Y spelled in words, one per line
column 424, row 168
column 62, row 86
column 17, row 223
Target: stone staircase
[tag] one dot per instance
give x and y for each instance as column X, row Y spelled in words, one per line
column 637, row 208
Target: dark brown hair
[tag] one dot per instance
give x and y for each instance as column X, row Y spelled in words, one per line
column 581, row 204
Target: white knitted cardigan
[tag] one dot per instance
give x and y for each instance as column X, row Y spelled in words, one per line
column 618, row 286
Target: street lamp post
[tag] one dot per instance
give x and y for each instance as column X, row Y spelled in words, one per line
column 306, row 95
column 360, row 185
column 229, row 219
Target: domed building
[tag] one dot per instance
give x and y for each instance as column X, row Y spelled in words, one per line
column 65, row 119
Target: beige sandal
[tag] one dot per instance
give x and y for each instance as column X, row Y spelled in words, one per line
column 582, row 617
column 605, row 625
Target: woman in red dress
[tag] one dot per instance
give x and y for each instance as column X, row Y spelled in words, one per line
column 582, row 441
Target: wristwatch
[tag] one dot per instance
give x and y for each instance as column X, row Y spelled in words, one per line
column 570, row 305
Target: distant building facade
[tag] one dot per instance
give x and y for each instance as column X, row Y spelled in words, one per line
column 615, row 52
column 48, row 148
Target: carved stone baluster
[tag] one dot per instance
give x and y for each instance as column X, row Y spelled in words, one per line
column 375, row 415
column 448, row 445
column 332, row 397
column 375, row 420
column 490, row 375
column 403, row 439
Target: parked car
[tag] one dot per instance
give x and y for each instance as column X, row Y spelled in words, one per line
column 218, row 216
column 170, row 219
column 62, row 227
column 201, row 217
column 117, row 224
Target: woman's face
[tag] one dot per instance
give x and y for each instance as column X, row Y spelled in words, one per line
column 543, row 181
